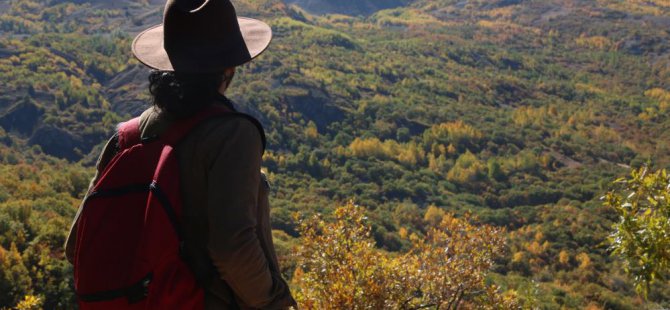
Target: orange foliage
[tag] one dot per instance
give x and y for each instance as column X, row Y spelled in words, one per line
column 340, row 267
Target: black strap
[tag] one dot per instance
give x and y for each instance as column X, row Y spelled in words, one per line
column 130, row 189
column 169, row 211
column 142, row 188
column 134, row 293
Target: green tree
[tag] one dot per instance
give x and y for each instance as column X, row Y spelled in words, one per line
column 495, row 170
column 642, row 234
column 14, row 279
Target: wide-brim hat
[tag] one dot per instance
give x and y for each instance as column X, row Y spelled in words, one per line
column 201, row 36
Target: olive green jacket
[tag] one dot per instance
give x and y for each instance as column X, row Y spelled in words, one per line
column 228, row 240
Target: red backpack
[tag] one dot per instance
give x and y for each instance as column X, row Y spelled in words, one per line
column 129, row 240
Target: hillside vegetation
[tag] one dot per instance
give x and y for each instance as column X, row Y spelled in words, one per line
column 520, row 113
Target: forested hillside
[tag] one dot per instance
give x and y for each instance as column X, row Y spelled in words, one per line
column 347, row 7
column 521, row 112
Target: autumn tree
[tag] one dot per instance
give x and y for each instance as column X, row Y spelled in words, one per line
column 339, row 266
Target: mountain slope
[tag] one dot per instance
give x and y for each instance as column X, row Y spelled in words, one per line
column 347, row 7
column 521, row 112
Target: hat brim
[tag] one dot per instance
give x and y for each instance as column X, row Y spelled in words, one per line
column 148, row 45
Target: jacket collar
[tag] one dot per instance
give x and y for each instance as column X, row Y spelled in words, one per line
column 225, row 101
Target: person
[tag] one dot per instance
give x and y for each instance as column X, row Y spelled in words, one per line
column 227, row 234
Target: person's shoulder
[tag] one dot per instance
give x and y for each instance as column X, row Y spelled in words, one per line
column 235, row 121
column 235, row 127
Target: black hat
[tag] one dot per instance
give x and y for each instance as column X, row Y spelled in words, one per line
column 201, row 36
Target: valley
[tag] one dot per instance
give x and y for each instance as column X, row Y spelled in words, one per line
column 521, row 113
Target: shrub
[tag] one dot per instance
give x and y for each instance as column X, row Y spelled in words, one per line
column 340, row 268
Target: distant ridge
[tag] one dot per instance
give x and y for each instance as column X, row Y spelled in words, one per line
column 347, row 7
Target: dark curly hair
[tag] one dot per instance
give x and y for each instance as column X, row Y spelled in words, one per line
column 183, row 94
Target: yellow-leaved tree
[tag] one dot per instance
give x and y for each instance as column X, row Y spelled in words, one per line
column 339, row 266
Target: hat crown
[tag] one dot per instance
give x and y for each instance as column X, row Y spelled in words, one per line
column 190, row 5
column 198, row 32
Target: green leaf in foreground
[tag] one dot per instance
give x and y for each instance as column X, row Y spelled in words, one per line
column 642, row 234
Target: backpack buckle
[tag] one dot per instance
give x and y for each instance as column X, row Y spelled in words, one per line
column 140, row 290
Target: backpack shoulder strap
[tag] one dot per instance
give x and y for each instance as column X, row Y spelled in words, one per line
column 128, row 133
